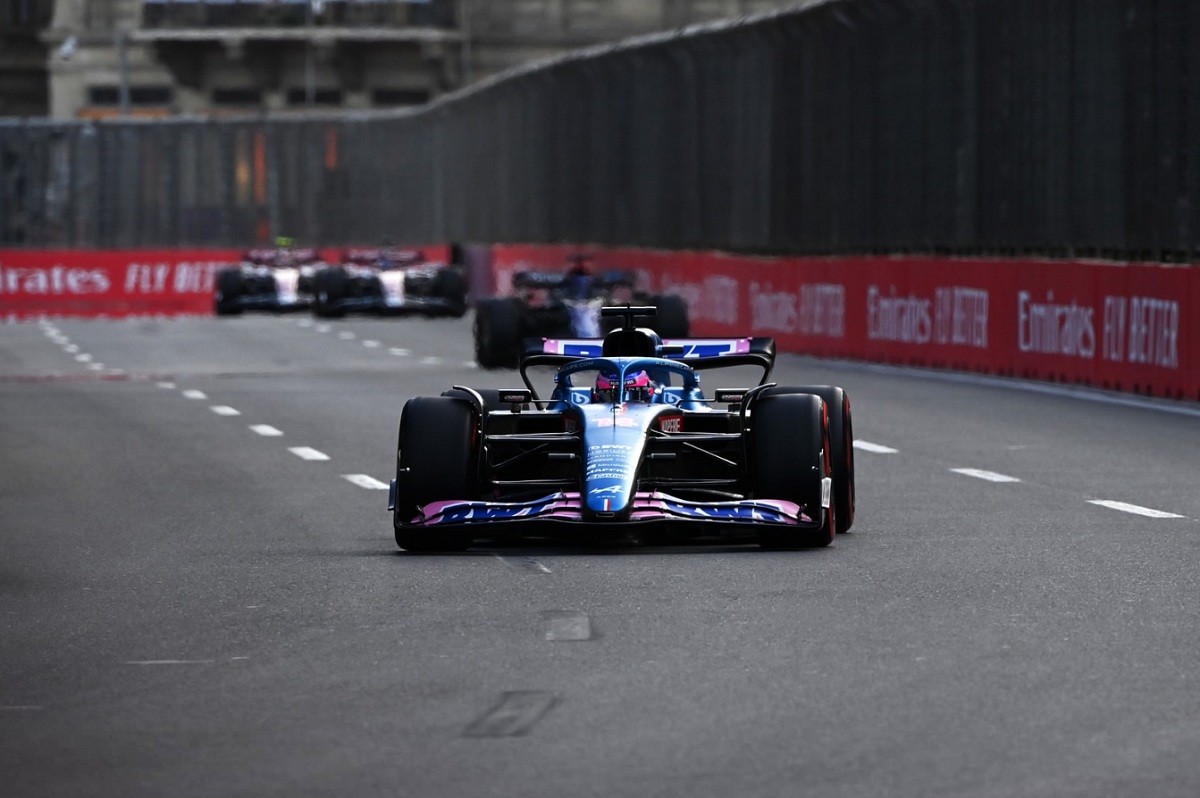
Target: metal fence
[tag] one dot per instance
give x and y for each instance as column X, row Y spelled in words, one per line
column 1059, row 127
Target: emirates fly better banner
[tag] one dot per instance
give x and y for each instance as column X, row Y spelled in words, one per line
column 1128, row 327
column 117, row 283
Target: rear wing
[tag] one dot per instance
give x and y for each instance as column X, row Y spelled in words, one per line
column 699, row 353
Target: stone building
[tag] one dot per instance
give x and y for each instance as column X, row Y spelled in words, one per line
column 71, row 59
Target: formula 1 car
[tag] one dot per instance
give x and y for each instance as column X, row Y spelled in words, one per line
column 554, row 305
column 638, row 451
column 390, row 280
column 268, row 279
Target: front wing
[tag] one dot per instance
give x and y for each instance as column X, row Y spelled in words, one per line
column 648, row 507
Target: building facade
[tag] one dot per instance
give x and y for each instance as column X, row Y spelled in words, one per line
column 159, row 58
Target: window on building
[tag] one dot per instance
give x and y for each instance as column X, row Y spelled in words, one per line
column 390, row 97
column 138, row 95
column 237, row 97
column 325, row 97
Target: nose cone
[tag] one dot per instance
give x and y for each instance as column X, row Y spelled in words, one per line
column 613, row 444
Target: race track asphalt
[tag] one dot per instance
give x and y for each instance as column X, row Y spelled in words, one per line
column 189, row 607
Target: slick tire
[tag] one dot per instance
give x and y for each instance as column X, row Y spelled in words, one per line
column 435, row 460
column 229, row 290
column 451, row 286
column 330, row 289
column 841, row 444
column 497, row 333
column 790, row 437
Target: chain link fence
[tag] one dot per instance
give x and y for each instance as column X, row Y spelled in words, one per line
column 1055, row 127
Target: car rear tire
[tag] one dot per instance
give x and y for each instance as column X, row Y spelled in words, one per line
column 229, row 290
column 497, row 333
column 451, row 286
column 436, row 460
column 790, row 436
column 330, row 289
column 841, row 444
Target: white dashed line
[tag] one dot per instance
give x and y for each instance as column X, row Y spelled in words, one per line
column 266, row 430
column 322, row 328
column 71, row 349
column 877, row 448
column 371, row 344
column 990, row 476
column 431, row 361
column 194, row 394
column 364, row 481
column 225, row 410
column 96, row 366
column 470, row 364
column 399, row 352
column 167, row 386
column 306, row 453
column 84, row 358
column 170, row 662
column 524, row 564
column 346, row 335
column 1133, row 508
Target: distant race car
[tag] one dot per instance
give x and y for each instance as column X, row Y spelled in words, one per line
column 268, row 279
column 390, row 280
column 564, row 305
column 627, row 445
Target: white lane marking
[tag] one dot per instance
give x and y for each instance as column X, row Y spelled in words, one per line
column 71, row 349
column 84, row 358
column 524, row 564
column 990, row 476
column 169, row 662
column 96, row 366
column 169, row 386
column 346, row 335
column 371, row 344
column 225, row 410
column 266, row 430
column 399, row 352
column 877, row 448
column 431, row 361
column 1133, row 508
column 470, row 364
column 194, row 394
column 308, row 453
column 322, row 328
column 567, row 625
column 364, row 481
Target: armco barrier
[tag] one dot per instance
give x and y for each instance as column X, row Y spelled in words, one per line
column 1125, row 327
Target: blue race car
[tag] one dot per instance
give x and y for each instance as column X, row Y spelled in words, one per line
column 627, row 446
column 564, row 305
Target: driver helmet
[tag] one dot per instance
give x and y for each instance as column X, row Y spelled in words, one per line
column 637, row 383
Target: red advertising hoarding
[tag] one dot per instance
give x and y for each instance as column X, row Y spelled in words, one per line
column 1122, row 326
column 115, row 284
